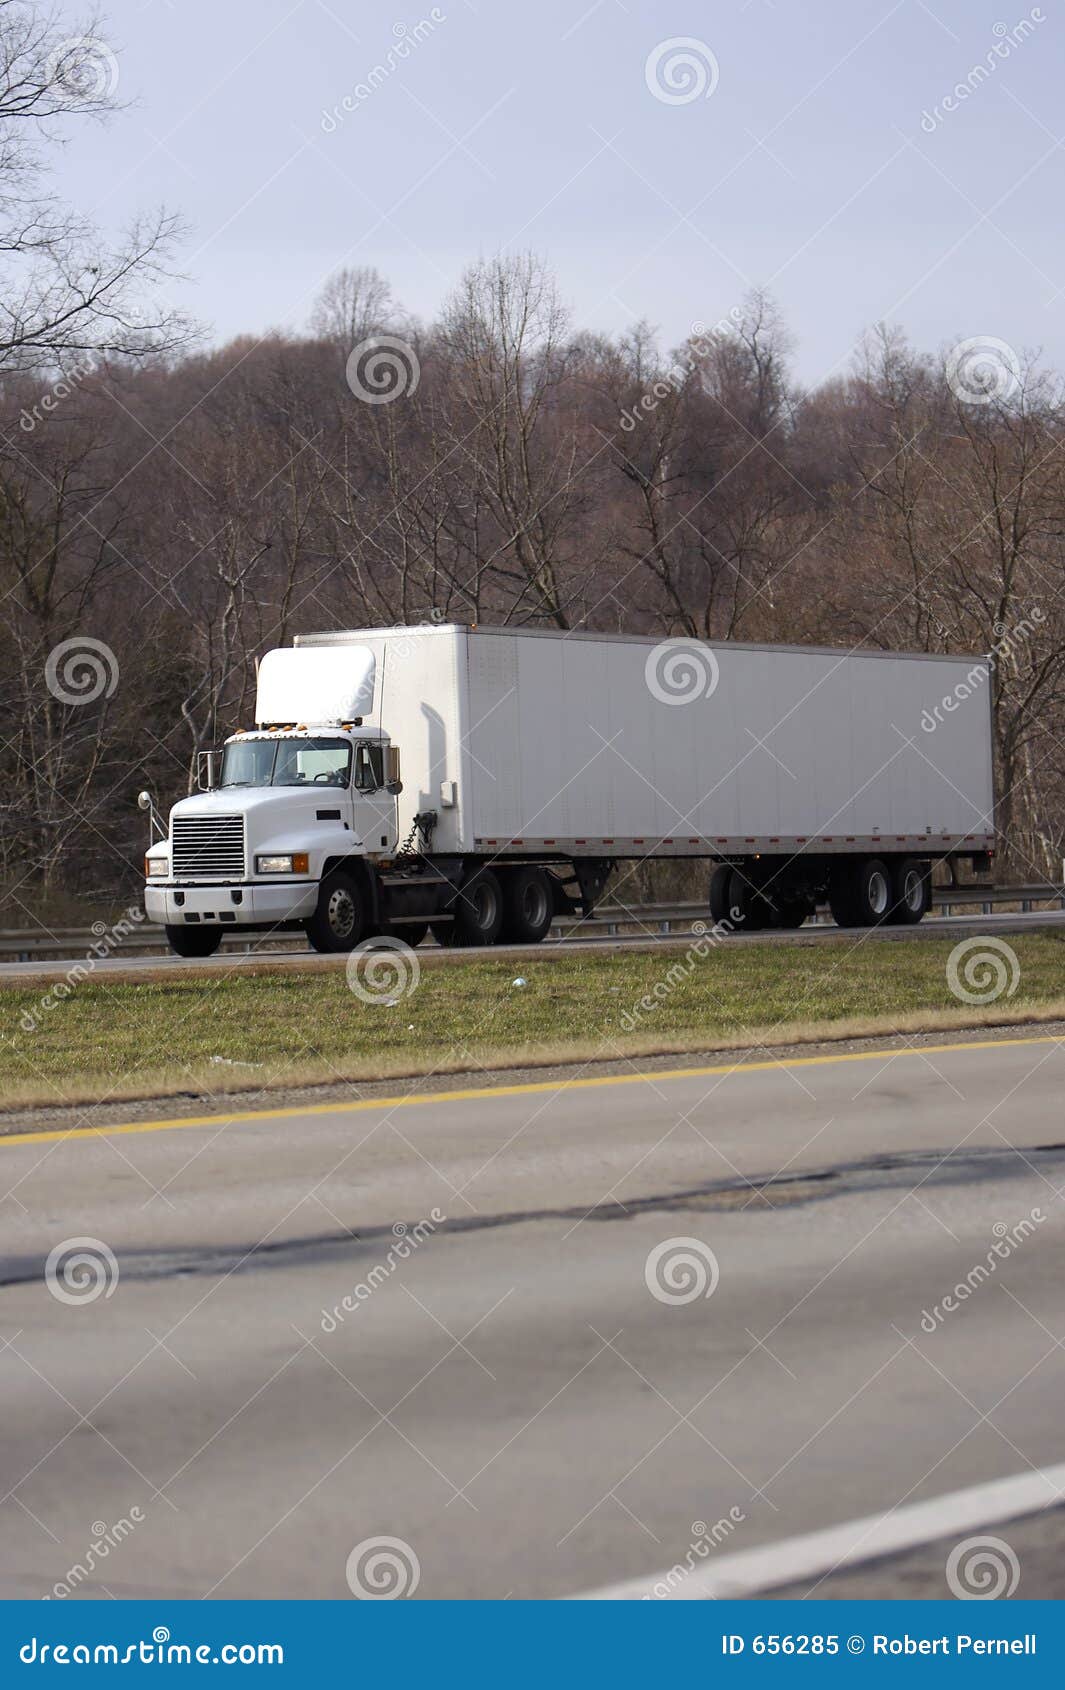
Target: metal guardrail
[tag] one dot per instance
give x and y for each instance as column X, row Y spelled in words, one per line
column 76, row 943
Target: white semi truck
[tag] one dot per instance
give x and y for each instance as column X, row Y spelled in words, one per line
column 479, row 781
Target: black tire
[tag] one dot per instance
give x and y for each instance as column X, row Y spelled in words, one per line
column 911, row 891
column 861, row 893
column 194, row 941
column 339, row 921
column 528, row 906
column 747, row 910
column 478, row 910
column 720, row 881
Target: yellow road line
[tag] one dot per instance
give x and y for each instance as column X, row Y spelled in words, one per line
column 527, row 1088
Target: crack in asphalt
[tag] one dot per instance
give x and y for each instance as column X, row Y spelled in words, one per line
column 762, row 1193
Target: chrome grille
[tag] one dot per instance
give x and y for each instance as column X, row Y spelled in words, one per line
column 208, row 848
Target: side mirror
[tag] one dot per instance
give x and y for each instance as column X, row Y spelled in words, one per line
column 208, row 768
column 144, row 800
column 392, row 773
column 395, row 787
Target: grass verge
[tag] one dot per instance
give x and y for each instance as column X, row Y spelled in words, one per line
column 227, row 1032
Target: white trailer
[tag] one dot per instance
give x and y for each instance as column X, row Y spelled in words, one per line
column 480, row 780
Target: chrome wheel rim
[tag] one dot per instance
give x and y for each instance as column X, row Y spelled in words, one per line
column 534, row 904
column 340, row 912
column 913, row 890
column 878, row 892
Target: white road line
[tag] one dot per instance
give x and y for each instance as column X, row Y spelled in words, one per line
column 808, row 1556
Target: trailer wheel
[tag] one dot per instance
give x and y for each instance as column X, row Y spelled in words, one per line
column 720, row 882
column 911, row 892
column 861, row 894
column 194, row 941
column 339, row 921
column 747, row 911
column 478, row 911
column 528, row 906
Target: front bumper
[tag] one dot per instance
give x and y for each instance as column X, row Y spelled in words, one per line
column 262, row 904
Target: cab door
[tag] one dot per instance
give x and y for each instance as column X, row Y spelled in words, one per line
column 373, row 806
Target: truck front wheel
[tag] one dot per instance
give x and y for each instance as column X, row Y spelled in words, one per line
column 339, row 921
column 194, row 941
column 528, row 906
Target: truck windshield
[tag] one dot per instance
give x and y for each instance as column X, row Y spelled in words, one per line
column 287, row 762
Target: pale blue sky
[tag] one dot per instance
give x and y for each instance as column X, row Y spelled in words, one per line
column 516, row 125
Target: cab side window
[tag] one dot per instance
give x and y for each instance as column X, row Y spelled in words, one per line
column 369, row 767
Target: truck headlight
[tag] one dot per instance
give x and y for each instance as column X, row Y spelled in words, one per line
column 296, row 863
column 156, row 868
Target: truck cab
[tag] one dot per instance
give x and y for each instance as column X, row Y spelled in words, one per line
column 283, row 807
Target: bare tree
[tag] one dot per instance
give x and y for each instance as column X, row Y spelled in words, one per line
column 65, row 293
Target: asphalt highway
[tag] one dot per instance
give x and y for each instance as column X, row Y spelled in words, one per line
column 528, row 1386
